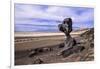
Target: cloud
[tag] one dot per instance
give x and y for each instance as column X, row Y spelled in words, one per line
column 52, row 15
column 77, row 14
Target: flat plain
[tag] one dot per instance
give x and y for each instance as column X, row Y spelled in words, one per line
column 42, row 48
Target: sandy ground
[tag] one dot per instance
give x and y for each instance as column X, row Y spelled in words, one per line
column 29, row 40
column 25, row 43
column 38, row 34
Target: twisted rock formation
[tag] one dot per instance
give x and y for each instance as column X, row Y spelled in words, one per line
column 66, row 28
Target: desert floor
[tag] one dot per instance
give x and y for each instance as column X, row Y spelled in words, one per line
column 42, row 48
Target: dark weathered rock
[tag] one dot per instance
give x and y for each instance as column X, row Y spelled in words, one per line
column 47, row 49
column 66, row 53
column 77, row 49
column 39, row 50
column 32, row 53
column 66, row 28
column 74, row 42
column 61, row 45
column 38, row 61
column 71, row 50
column 81, row 48
column 92, row 45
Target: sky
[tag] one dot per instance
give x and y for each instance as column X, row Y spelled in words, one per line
column 45, row 18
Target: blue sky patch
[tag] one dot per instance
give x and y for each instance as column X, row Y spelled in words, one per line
column 45, row 18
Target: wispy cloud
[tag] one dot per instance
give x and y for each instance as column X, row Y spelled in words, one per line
column 52, row 15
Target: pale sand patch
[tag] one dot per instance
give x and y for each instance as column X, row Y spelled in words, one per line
column 30, row 40
column 35, row 34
